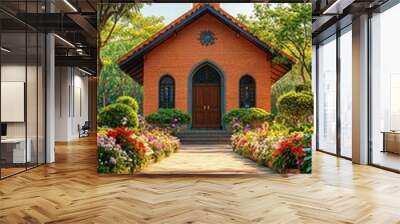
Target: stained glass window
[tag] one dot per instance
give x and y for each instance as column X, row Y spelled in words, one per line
column 247, row 92
column 206, row 74
column 167, row 92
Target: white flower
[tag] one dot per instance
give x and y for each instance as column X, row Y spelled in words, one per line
column 124, row 121
column 113, row 161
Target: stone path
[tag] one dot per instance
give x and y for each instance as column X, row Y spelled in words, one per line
column 205, row 159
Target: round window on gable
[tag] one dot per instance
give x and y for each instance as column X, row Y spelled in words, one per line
column 207, row 38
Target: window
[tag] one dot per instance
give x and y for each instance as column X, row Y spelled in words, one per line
column 327, row 95
column 385, row 89
column 346, row 92
column 22, row 82
column 167, row 92
column 206, row 75
column 247, row 92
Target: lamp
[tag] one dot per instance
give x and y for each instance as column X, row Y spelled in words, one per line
column 5, row 49
column 64, row 40
column 70, row 5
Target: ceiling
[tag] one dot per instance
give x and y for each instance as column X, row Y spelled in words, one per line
column 73, row 21
column 332, row 15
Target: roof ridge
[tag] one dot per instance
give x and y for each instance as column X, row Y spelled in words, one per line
column 191, row 12
column 244, row 26
column 152, row 37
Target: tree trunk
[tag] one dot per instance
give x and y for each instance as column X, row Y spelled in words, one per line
column 99, row 61
column 302, row 73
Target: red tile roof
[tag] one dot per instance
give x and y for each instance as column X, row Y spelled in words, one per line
column 194, row 9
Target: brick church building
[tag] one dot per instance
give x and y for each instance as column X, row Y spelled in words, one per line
column 206, row 63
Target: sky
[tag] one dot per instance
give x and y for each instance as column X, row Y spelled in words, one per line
column 171, row 11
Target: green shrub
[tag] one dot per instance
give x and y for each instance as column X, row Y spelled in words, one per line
column 117, row 115
column 246, row 116
column 168, row 118
column 129, row 101
column 306, row 87
column 305, row 128
column 296, row 107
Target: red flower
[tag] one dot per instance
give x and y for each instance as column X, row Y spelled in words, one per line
column 126, row 138
column 120, row 132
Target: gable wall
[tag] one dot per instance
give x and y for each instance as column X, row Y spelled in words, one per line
column 181, row 53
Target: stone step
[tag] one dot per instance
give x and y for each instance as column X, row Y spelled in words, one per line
column 205, row 136
column 205, row 142
column 205, row 132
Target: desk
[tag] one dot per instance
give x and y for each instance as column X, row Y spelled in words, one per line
column 391, row 141
column 13, row 150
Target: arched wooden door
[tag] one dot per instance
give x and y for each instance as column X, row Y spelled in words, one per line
column 206, row 98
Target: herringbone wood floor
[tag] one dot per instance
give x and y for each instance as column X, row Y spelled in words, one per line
column 70, row 191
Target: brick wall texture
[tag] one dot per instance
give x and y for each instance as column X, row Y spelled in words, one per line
column 232, row 53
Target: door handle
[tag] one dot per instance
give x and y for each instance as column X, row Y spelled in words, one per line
column 204, row 107
column 208, row 107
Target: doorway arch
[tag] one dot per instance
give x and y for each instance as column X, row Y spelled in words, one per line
column 206, row 101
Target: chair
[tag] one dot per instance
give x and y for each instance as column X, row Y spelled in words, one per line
column 84, row 130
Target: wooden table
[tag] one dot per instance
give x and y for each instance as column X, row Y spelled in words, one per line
column 391, row 141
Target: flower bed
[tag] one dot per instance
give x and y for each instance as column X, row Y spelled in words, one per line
column 279, row 150
column 124, row 151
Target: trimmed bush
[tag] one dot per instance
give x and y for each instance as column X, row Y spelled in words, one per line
column 306, row 87
column 296, row 107
column 129, row 101
column 246, row 116
column 171, row 119
column 117, row 115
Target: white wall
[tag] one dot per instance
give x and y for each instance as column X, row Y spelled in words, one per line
column 16, row 73
column 33, row 126
column 71, row 102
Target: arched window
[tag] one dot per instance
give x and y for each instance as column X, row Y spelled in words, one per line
column 247, row 92
column 166, row 94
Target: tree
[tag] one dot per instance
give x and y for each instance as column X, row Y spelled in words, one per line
column 296, row 107
column 287, row 27
column 109, row 15
column 129, row 31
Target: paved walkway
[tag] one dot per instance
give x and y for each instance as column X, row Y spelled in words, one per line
column 206, row 159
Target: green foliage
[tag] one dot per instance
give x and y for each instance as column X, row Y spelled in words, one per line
column 279, row 127
column 246, row 116
column 283, row 161
column 306, row 128
column 166, row 117
column 118, row 165
column 306, row 167
column 284, row 85
column 117, row 115
column 129, row 101
column 130, row 30
column 123, row 151
column 305, row 87
column 287, row 27
column 296, row 107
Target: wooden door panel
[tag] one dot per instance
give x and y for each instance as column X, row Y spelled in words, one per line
column 213, row 106
column 206, row 106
